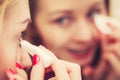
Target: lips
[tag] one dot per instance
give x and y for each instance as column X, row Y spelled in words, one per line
column 80, row 51
column 82, row 48
column 82, row 56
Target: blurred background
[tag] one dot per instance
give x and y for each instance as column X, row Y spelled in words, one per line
column 114, row 8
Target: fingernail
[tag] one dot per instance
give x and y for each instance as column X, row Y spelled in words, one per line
column 35, row 59
column 19, row 65
column 12, row 71
column 112, row 41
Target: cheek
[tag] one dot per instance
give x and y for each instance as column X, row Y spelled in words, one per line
column 52, row 36
column 8, row 55
column 93, row 30
column 7, row 61
column 51, row 40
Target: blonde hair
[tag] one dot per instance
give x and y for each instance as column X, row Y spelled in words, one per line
column 4, row 6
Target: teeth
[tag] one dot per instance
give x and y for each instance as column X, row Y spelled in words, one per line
column 79, row 51
column 47, row 60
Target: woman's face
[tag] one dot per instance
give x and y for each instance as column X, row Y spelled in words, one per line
column 16, row 19
column 67, row 28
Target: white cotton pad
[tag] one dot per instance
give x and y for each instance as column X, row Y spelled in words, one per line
column 101, row 24
column 47, row 60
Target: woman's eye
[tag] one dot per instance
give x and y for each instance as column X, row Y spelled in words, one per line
column 23, row 34
column 92, row 13
column 62, row 20
column 19, row 42
column 20, row 38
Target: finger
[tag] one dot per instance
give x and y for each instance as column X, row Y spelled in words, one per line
column 70, row 70
column 12, row 75
column 60, row 70
column 20, row 70
column 73, row 70
column 101, row 71
column 58, row 67
column 37, row 72
column 50, row 54
column 115, row 30
column 113, row 61
column 96, row 73
column 47, row 51
column 113, row 24
column 88, row 71
column 114, row 49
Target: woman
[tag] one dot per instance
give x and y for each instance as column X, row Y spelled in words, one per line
column 15, row 62
column 67, row 28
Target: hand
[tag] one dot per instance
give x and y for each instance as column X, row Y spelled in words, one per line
column 109, row 66
column 112, row 51
column 63, row 70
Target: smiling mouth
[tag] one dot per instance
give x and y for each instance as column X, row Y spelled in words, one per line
column 80, row 51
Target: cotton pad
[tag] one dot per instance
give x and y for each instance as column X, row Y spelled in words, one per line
column 101, row 24
column 47, row 59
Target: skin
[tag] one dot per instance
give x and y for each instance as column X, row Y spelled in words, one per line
column 110, row 56
column 69, row 30
column 15, row 21
column 13, row 25
column 67, row 73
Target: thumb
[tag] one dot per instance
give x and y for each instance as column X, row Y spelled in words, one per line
column 38, row 70
column 88, row 71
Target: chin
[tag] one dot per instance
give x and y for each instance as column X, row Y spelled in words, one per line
column 83, row 62
column 88, row 57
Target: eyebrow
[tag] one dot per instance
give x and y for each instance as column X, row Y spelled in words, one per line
column 68, row 11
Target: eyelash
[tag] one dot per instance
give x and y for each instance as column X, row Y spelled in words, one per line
column 19, row 41
column 65, row 20
column 20, row 38
column 92, row 12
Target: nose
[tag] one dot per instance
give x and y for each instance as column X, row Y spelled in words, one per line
column 85, row 31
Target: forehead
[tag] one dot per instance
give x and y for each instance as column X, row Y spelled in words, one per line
column 16, row 14
column 66, row 4
column 17, row 9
